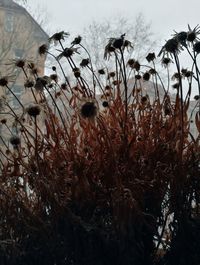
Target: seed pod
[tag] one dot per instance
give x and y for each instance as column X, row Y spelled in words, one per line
column 33, row 110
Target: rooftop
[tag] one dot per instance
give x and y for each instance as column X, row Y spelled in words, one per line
column 11, row 5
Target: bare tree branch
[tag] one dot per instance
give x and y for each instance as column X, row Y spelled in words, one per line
column 138, row 31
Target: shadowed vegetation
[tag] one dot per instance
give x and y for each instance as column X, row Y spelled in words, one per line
column 103, row 170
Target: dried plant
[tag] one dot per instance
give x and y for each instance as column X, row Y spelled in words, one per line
column 106, row 171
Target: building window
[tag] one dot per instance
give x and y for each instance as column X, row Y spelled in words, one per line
column 17, row 91
column 9, row 22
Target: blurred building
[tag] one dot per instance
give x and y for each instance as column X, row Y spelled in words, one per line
column 20, row 37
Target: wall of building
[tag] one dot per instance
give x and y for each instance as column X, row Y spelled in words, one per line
column 20, row 37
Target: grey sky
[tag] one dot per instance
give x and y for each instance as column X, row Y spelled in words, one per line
column 164, row 15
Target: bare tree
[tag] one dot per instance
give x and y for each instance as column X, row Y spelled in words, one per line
column 138, row 31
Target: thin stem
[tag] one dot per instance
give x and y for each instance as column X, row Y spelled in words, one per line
column 181, row 97
column 10, row 90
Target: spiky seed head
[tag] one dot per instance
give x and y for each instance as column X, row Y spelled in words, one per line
column 88, row 110
column 33, row 110
column 15, row 140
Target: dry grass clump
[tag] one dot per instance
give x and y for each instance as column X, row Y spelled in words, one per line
column 103, row 179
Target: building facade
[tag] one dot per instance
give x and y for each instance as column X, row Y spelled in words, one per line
column 20, row 37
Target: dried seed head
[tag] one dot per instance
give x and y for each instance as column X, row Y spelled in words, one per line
column 41, row 82
column 57, row 94
column 184, row 71
column 77, row 72
column 176, row 76
column 152, row 71
column 131, row 62
column 138, row 77
column 116, row 82
column 58, row 36
column 3, row 121
column 197, row 47
column 88, row 110
column 29, row 83
column 166, row 61
column 144, row 99
column 84, row 62
column 43, row 49
column 150, row 57
column 191, row 36
column 146, row 76
column 181, row 37
column 33, row 110
column 39, row 85
column 196, row 97
column 68, row 52
column 111, row 49
column 63, row 86
column 118, row 43
column 20, row 63
column 136, row 66
column 54, row 77
column 77, row 40
column 4, row 81
column 176, row 85
column 108, row 87
column 127, row 44
column 111, row 74
column 108, row 50
column 172, row 46
column 101, row 71
column 105, row 104
column 188, row 74
column 15, row 140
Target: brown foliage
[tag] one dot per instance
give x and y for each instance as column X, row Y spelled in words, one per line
column 117, row 185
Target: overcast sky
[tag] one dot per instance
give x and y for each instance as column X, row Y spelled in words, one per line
column 165, row 16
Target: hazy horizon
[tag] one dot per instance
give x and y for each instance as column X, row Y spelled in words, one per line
column 165, row 17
